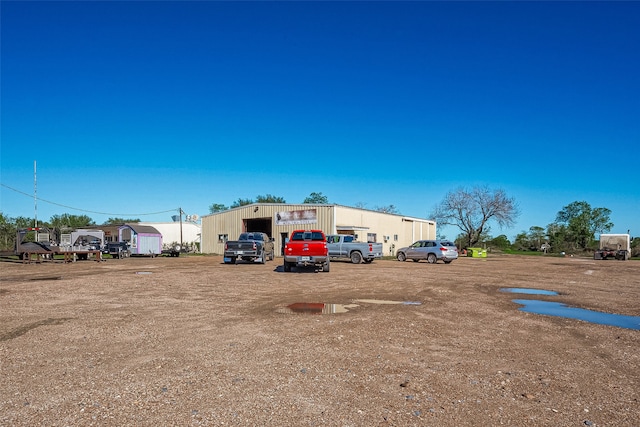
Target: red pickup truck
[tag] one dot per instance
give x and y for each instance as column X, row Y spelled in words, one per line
column 306, row 248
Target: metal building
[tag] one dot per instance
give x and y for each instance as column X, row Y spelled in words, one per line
column 278, row 220
column 185, row 233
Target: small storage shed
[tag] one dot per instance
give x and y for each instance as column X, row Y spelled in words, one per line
column 142, row 239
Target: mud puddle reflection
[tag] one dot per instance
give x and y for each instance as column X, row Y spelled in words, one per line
column 324, row 308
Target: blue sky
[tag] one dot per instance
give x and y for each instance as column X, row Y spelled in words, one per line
column 133, row 108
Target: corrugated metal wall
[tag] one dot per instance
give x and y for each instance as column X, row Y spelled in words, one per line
column 394, row 231
column 232, row 223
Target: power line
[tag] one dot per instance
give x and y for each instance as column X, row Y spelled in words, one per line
column 85, row 210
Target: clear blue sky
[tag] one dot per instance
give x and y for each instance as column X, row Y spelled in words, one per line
column 136, row 107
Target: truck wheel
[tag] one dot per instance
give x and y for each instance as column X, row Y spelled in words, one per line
column 325, row 267
column 401, row 256
column 286, row 267
column 232, row 260
column 262, row 257
column 272, row 255
column 356, row 257
column 432, row 259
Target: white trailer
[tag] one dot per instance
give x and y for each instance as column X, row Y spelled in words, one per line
column 616, row 246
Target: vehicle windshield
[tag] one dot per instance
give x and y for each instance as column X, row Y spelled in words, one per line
column 446, row 243
column 308, row 235
column 250, row 236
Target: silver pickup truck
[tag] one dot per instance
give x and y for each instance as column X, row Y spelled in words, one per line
column 249, row 247
column 345, row 246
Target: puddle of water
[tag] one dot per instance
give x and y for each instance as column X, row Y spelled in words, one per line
column 381, row 301
column 315, row 308
column 561, row 310
column 528, row 291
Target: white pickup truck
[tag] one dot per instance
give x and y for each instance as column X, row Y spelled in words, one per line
column 346, row 246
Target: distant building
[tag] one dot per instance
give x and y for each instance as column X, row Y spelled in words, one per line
column 172, row 231
column 278, row 220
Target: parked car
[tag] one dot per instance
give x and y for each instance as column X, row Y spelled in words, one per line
column 431, row 250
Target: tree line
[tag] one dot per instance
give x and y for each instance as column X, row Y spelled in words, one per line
column 313, row 198
column 472, row 210
column 57, row 225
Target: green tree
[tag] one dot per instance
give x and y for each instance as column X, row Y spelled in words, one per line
column 24, row 222
column 462, row 240
column 241, row 202
column 471, row 210
column 7, row 232
column 557, row 234
column 635, row 247
column 316, row 198
column 531, row 240
column 217, row 207
column 9, row 227
column 66, row 223
column 581, row 222
column 268, row 198
column 521, row 242
column 537, row 236
column 501, row 242
column 116, row 221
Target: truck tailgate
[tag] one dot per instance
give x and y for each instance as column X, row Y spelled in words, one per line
column 307, row 248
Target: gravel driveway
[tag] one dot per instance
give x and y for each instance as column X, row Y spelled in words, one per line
column 192, row 341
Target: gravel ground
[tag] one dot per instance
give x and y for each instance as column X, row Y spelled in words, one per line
column 192, row 341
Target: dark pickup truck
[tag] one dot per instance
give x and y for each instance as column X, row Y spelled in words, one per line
column 117, row 249
column 250, row 247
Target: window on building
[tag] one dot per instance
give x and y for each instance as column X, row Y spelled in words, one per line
column 395, row 237
column 223, row 238
column 371, row 237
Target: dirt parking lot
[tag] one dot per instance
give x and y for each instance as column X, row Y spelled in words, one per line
column 192, row 341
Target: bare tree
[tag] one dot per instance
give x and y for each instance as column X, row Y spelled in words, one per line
column 471, row 210
column 391, row 209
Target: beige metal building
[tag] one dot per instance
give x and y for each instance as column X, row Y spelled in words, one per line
column 278, row 220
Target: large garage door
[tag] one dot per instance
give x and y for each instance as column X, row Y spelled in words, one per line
column 259, row 224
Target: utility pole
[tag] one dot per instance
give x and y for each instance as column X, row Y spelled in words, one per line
column 35, row 199
column 180, row 227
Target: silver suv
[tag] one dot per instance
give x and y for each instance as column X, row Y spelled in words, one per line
column 431, row 250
